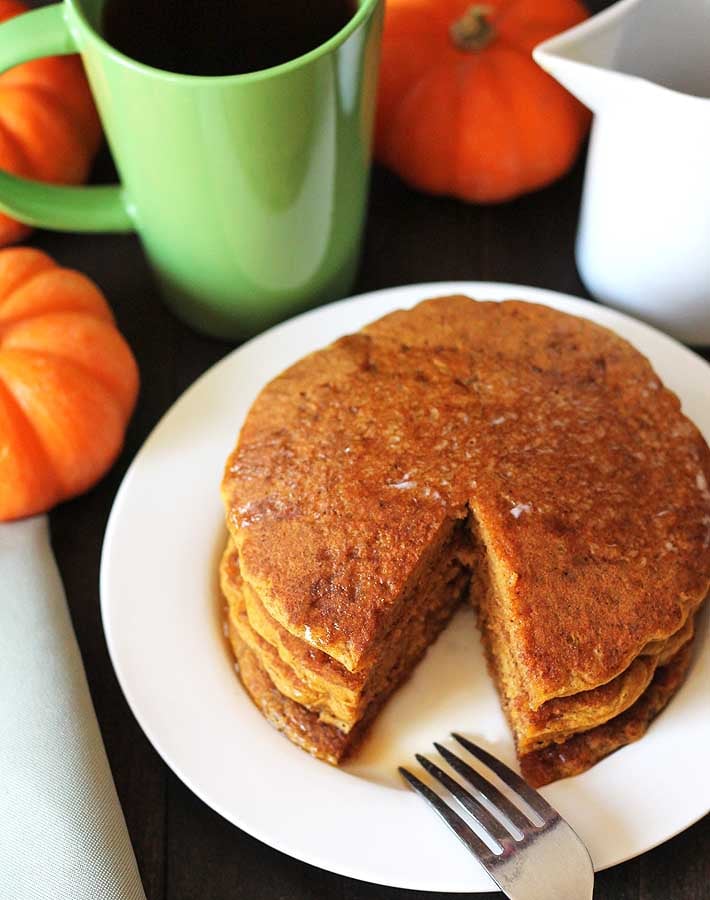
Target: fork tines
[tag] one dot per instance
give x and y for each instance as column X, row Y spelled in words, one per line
column 509, row 830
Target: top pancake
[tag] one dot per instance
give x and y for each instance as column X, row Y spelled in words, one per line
column 589, row 486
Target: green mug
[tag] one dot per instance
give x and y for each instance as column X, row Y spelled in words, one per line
column 248, row 191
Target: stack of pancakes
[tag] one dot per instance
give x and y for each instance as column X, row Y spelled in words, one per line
column 504, row 454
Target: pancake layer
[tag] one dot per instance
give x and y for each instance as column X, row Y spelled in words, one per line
column 320, row 688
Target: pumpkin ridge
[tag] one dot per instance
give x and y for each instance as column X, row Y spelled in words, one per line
column 9, row 135
column 503, row 11
column 463, row 72
column 38, row 447
column 416, row 82
column 39, row 262
column 519, row 42
column 534, row 151
column 475, row 62
column 67, row 360
column 411, row 89
column 65, row 488
column 522, row 163
column 48, row 108
column 538, row 24
column 54, row 99
column 65, row 79
column 25, row 315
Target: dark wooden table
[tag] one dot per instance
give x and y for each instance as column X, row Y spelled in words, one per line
column 185, row 851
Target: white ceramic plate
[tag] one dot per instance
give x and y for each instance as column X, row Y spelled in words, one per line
column 160, row 614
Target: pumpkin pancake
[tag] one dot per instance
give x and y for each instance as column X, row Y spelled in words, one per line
column 545, row 439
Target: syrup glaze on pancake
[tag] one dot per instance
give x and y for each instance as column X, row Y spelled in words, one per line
column 586, row 482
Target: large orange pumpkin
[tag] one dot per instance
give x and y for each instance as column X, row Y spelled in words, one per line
column 68, row 383
column 463, row 109
column 49, row 128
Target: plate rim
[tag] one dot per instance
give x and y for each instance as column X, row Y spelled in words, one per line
column 475, row 288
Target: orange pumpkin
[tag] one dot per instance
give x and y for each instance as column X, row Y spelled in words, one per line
column 463, row 109
column 49, row 128
column 68, row 383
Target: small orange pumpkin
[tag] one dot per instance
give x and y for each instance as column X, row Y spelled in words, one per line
column 463, row 109
column 49, row 128
column 68, row 383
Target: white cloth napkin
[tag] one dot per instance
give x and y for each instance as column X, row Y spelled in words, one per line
column 62, row 831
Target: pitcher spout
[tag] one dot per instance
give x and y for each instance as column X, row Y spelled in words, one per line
column 583, row 59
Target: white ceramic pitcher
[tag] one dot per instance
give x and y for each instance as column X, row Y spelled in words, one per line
column 643, row 68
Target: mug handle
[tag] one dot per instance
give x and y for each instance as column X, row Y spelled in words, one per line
column 32, row 35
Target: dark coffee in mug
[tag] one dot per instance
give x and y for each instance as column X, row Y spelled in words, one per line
column 221, row 37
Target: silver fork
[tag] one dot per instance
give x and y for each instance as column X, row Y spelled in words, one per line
column 536, row 860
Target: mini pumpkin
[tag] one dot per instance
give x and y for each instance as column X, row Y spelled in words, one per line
column 68, row 383
column 463, row 109
column 49, row 128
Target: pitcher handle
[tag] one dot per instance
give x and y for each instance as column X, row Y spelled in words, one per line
column 32, row 35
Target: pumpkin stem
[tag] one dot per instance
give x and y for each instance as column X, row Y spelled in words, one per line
column 473, row 31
